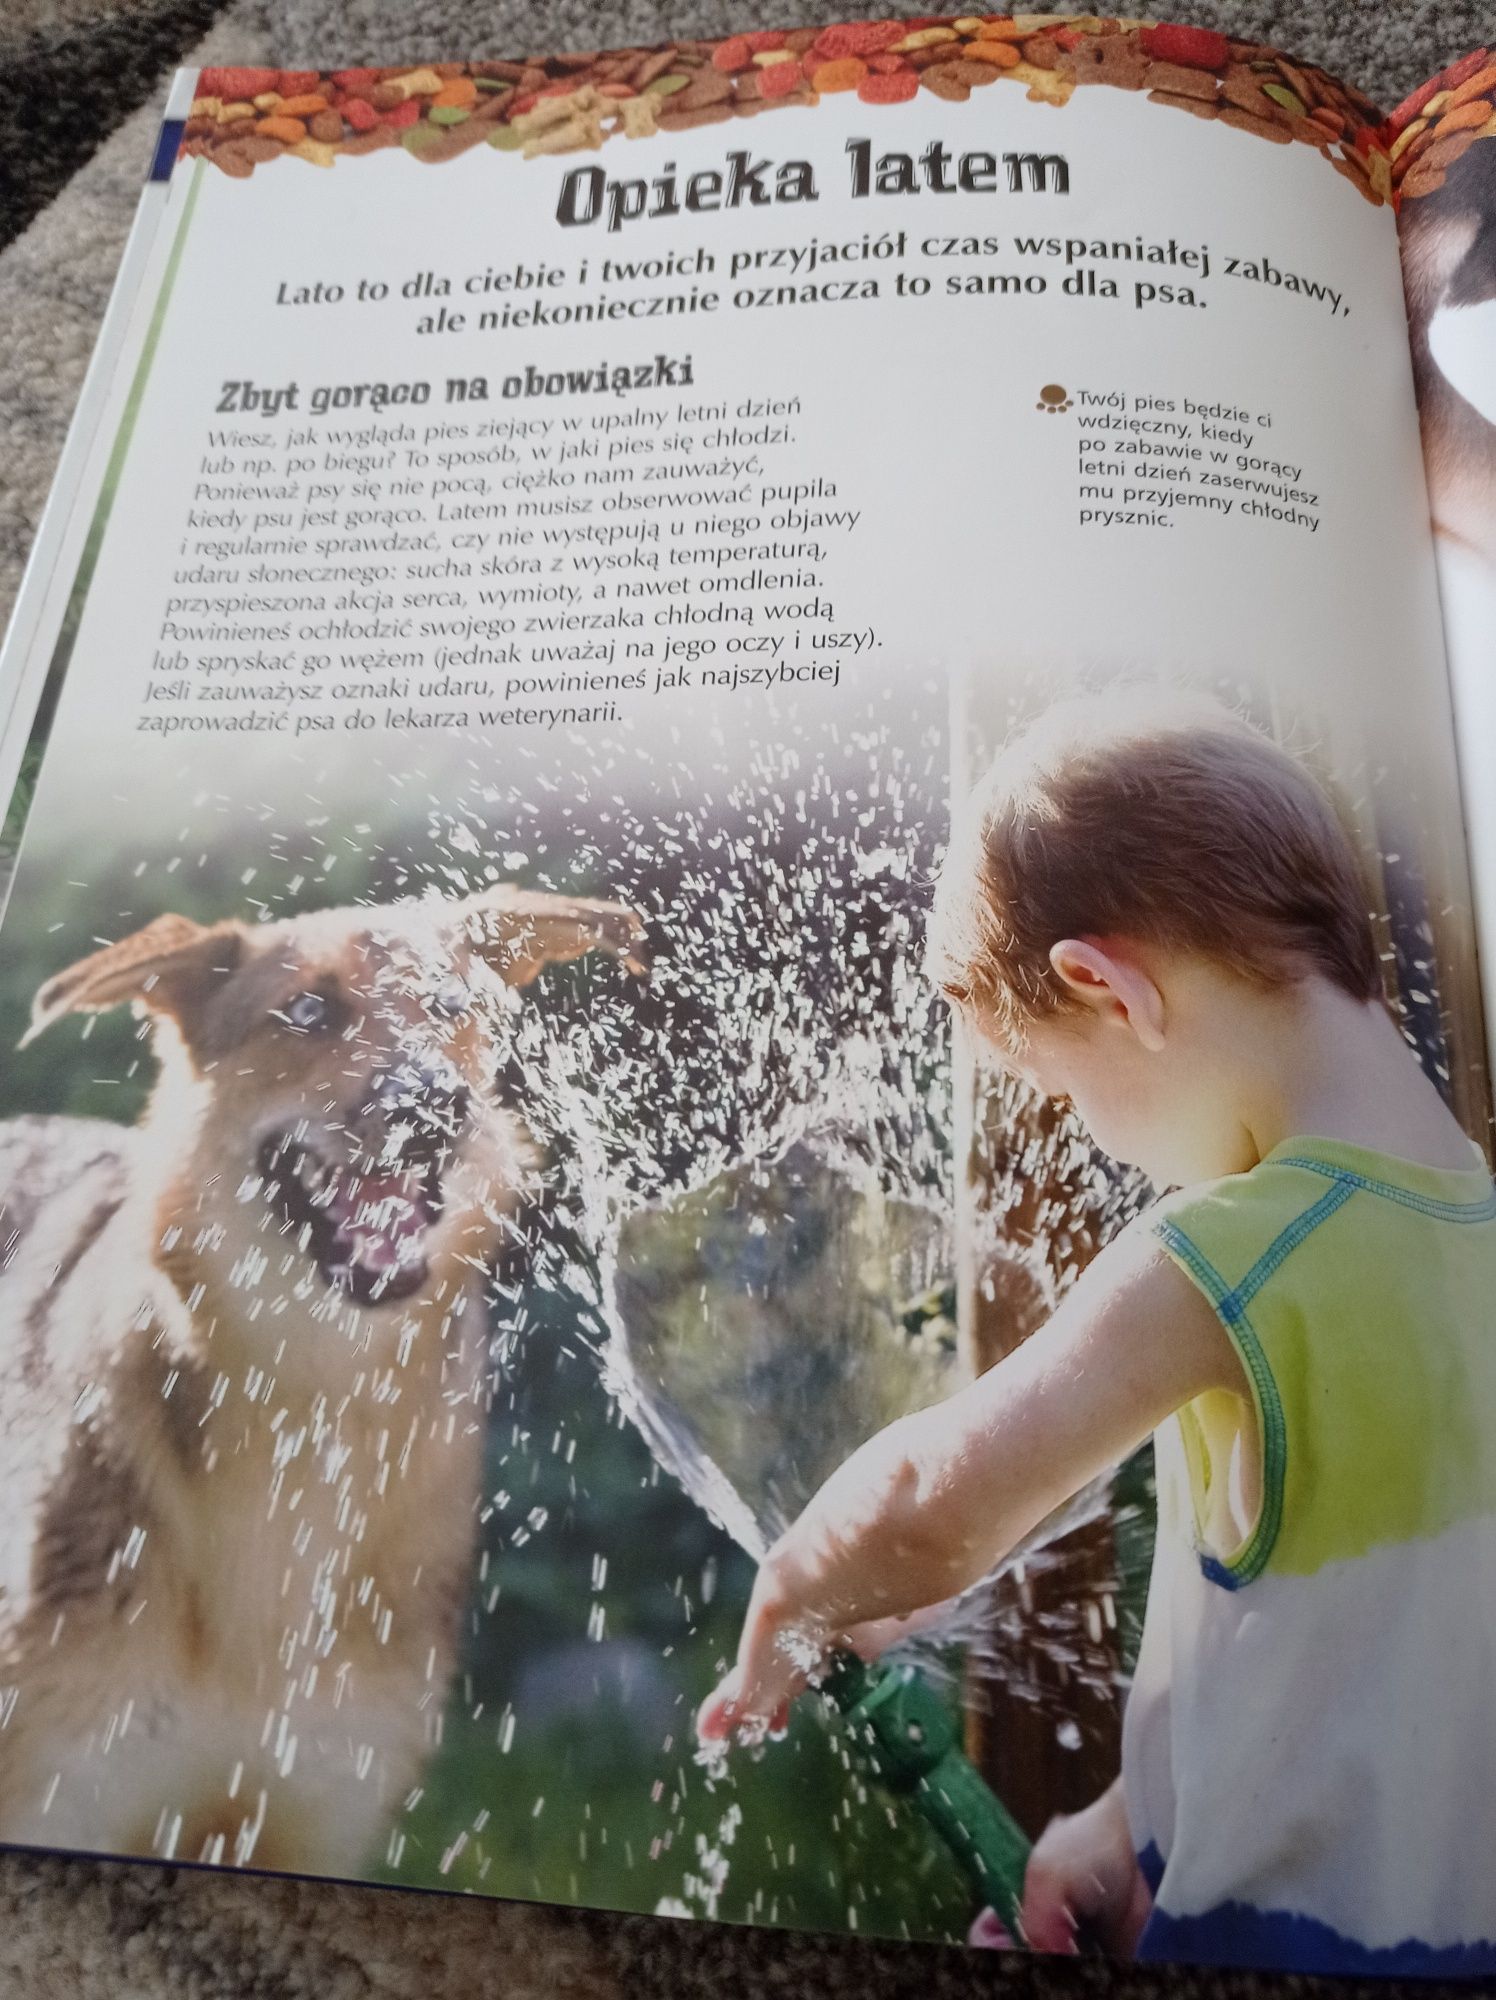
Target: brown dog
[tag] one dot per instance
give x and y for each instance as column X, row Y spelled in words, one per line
column 1449, row 260
column 243, row 1376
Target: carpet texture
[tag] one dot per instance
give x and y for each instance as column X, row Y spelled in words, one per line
column 84, row 82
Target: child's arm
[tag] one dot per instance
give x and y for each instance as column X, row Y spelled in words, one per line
column 928, row 1506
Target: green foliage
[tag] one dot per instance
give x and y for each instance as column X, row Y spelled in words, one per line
column 576, row 1785
column 602, row 1817
column 606, row 1607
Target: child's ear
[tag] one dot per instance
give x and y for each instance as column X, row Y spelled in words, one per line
column 1109, row 981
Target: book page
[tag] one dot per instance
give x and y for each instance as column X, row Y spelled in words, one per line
column 1446, row 178
column 483, row 1145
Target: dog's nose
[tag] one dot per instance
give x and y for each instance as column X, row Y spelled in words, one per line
column 431, row 1092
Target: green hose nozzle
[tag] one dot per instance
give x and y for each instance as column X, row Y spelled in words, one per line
column 911, row 1740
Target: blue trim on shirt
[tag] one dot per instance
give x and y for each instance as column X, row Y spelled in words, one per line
column 1231, row 1302
column 1236, row 1934
column 1250, row 1561
column 1234, row 1304
column 1483, row 1210
column 1151, row 1867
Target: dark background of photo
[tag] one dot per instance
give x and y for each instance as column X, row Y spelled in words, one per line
column 83, row 81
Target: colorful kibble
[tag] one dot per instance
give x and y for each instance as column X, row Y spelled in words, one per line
column 845, row 73
column 858, row 38
column 925, row 38
column 1461, row 71
column 1196, row 48
column 237, row 84
column 1002, row 55
column 1481, row 84
column 1461, row 118
column 1282, row 95
column 440, row 109
column 780, row 79
column 943, row 84
column 895, row 89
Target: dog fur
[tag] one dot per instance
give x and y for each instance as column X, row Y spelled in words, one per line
column 1449, row 259
column 244, row 1369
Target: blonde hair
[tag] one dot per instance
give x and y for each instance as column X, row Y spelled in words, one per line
column 1152, row 815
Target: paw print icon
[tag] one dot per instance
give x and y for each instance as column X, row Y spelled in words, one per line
column 1054, row 400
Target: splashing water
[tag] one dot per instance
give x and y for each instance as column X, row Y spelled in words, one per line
column 766, row 1324
column 759, row 1145
column 761, row 1167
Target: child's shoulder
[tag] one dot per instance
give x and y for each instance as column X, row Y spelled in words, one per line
column 1231, row 1222
column 1134, row 1301
column 1162, row 1289
column 1317, row 1197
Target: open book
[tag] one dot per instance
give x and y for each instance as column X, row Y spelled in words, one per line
column 543, row 548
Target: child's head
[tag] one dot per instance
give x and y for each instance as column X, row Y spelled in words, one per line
column 1144, row 861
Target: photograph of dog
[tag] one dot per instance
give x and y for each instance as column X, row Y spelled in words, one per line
column 1449, row 272
column 244, row 1369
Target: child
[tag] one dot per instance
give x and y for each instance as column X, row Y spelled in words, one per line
column 1154, row 914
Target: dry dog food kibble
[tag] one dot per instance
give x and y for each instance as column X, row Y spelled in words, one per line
column 844, row 73
column 1439, row 124
column 244, row 117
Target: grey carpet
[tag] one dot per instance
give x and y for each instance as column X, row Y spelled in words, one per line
column 73, row 71
column 83, row 83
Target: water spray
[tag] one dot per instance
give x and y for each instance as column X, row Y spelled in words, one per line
column 761, row 1330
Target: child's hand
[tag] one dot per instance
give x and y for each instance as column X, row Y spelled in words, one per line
column 835, row 1578
column 1083, row 1880
column 738, row 1704
column 922, row 1511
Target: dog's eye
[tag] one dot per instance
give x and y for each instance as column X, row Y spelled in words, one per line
column 451, row 999
column 307, row 1011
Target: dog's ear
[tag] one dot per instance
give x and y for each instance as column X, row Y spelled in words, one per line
column 520, row 931
column 171, row 966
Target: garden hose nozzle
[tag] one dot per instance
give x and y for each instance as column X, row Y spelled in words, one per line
column 911, row 1740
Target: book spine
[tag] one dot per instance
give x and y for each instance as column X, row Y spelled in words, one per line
column 41, row 600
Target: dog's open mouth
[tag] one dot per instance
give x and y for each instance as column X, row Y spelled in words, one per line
column 366, row 1229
